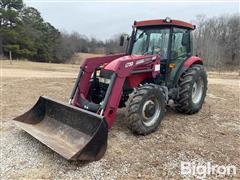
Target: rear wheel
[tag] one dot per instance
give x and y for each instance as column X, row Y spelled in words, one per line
column 146, row 109
column 192, row 89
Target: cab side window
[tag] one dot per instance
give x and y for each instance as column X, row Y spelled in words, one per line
column 180, row 43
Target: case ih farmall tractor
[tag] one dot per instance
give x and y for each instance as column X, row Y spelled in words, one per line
column 158, row 67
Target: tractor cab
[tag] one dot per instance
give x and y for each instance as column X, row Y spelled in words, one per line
column 171, row 39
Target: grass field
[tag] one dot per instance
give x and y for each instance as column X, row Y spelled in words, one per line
column 79, row 57
column 212, row 135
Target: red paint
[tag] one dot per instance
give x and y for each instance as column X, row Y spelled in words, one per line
column 192, row 60
column 136, row 79
column 89, row 65
column 125, row 65
column 122, row 66
column 113, row 102
column 162, row 22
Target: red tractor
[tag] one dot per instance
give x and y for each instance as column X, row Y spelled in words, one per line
column 157, row 68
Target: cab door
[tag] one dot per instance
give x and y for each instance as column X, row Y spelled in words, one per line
column 180, row 51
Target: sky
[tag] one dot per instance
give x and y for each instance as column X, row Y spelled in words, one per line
column 104, row 18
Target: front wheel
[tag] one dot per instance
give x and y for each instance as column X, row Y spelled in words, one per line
column 146, row 109
column 192, row 89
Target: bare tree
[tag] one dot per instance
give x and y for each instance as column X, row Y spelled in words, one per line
column 217, row 40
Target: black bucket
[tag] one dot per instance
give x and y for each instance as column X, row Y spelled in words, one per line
column 74, row 133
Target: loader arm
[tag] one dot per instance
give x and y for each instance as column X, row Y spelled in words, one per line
column 89, row 66
column 121, row 67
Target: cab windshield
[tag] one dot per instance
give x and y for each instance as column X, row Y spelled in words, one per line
column 149, row 41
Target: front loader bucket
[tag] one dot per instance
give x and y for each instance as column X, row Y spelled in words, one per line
column 74, row 133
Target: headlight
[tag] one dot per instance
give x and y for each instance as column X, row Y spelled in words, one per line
column 104, row 80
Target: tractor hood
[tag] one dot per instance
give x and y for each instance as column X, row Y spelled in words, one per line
column 125, row 64
column 129, row 61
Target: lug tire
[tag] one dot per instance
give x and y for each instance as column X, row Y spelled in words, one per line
column 136, row 109
column 185, row 102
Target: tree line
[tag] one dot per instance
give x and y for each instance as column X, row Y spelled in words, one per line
column 25, row 34
column 217, row 40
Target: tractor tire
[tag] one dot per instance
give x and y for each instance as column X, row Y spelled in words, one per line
column 146, row 108
column 192, row 90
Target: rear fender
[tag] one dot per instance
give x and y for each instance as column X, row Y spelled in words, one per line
column 189, row 62
column 192, row 60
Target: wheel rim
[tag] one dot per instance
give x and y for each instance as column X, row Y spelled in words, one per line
column 197, row 91
column 150, row 111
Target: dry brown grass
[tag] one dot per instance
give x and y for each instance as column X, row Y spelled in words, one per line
column 79, row 57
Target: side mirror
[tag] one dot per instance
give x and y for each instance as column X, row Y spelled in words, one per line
column 186, row 40
column 121, row 40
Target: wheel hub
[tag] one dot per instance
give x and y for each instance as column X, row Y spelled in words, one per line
column 151, row 110
column 197, row 91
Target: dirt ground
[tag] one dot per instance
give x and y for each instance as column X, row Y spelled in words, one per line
column 212, row 135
